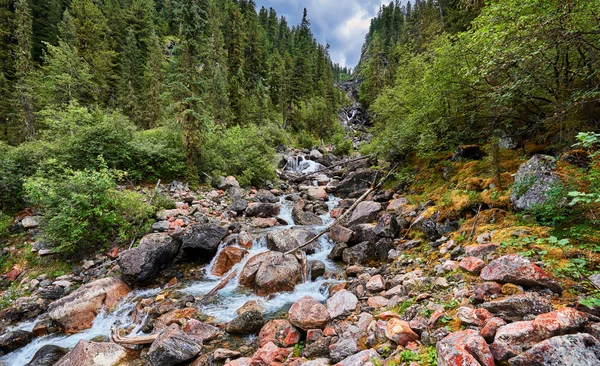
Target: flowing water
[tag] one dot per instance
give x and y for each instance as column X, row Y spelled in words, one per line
column 223, row 306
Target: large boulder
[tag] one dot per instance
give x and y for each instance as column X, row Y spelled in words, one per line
column 48, row 355
column 342, row 303
column 514, row 338
column 247, row 276
column 77, row 311
column 365, row 212
column 226, row 259
column 288, row 239
column 574, row 349
column 307, row 313
column 248, row 322
column 516, row 307
column 355, row 181
column 518, row 270
column 87, row 353
column 534, row 182
column 466, row 348
column 340, row 234
column 387, row 226
column 201, row 242
column 280, row 273
column 172, row 347
column 265, row 196
column 142, row 263
column 279, row 331
column 259, row 209
column 305, row 218
column 15, row 339
column 359, row 254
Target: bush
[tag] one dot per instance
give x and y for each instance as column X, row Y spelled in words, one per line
column 81, row 209
column 343, row 144
column 239, row 151
column 158, row 153
column 11, row 182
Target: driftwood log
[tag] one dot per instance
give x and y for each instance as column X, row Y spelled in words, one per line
column 131, row 341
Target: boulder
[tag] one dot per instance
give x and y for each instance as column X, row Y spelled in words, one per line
column 317, row 194
column 15, row 339
column 281, row 332
column 248, row 322
column 387, row 226
column 488, row 332
column 172, row 347
column 226, row 259
column 199, row 330
column 534, row 181
column 142, row 263
column 247, row 276
column 399, row 332
column 307, row 313
column 359, row 254
column 77, row 311
column 269, row 354
column 343, row 348
column 259, row 209
column 472, row 265
column 30, row 222
column 376, row 284
column 364, row 232
column 364, row 358
column 340, row 234
column 48, row 355
column 337, row 251
column 288, row 239
column 516, row 307
column 465, row 348
column 279, row 273
column 573, row 349
column 364, row 213
column 316, row 269
column 305, row 218
column 520, row 271
column 87, row 353
column 238, row 205
column 341, row 304
column 355, row 181
column 201, row 242
column 265, row 196
column 514, row 338
column 226, row 183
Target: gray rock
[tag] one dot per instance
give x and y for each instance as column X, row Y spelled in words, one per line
column 302, row 217
column 365, row 232
column 365, row 212
column 238, row 205
column 362, row 358
column 356, row 180
column 173, row 347
column 342, row 349
column 516, row 307
column 14, row 340
column 161, row 226
column 48, row 355
column 30, row 222
column 568, row 350
column 265, row 196
column 142, row 263
column 87, row 353
column 249, row 322
column 259, row 209
column 202, row 241
column 342, row 303
column 316, row 269
column 359, row 254
column 51, row 292
column 288, row 239
column 387, row 226
column 534, row 181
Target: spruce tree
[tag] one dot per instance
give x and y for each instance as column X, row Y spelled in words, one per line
column 153, row 81
column 24, row 70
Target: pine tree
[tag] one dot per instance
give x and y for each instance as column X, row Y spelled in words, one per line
column 24, row 69
column 153, row 80
column 7, row 68
column 131, row 76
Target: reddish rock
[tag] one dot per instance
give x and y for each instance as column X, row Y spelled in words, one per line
column 177, row 223
column 486, row 290
column 470, row 316
column 307, row 313
column 250, row 305
column 333, row 289
column 179, row 316
column 340, row 234
column 336, row 212
column 365, row 212
column 245, row 240
column 364, row 358
column 204, row 331
column 481, row 251
column 514, row 338
column 77, row 311
column 88, row 353
column 264, row 223
column 472, row 265
column 248, row 275
column 172, row 282
column 279, row 273
column 317, row 193
column 376, row 284
column 313, row 335
column 342, row 303
column 520, row 271
column 377, row 302
column 488, row 332
column 269, row 355
column 113, row 254
column 244, row 361
column 399, row 332
column 329, row 332
column 465, row 348
column 281, row 332
column 226, row 259
column 13, row 273
column 396, row 204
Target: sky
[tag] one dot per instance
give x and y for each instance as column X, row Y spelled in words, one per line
column 341, row 23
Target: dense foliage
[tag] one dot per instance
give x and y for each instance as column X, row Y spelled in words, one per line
column 438, row 74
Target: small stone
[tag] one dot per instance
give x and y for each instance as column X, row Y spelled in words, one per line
column 472, row 265
column 376, row 284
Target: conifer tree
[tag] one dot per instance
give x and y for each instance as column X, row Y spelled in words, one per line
column 153, row 80
column 24, row 70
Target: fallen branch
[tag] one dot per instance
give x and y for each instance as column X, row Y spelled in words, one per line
column 304, row 176
column 346, row 214
column 131, row 341
column 216, row 289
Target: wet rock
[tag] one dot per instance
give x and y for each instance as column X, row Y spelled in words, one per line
column 173, row 347
column 342, row 303
column 48, row 355
column 481, row 251
column 259, row 209
column 269, row 354
column 317, row 194
column 516, row 307
column 365, row 212
column 316, row 269
column 248, row 274
column 278, row 273
column 15, row 339
column 226, row 259
column 265, row 196
column 307, row 313
column 520, row 271
column 142, row 263
column 340, row 234
column 288, row 239
column 359, row 254
column 364, row 358
column 465, row 348
column 399, row 331
column 514, row 338
column 302, row 217
column 342, row 349
column 356, row 180
column 280, row 331
column 88, row 353
column 249, row 322
column 387, row 226
column 376, row 284
column 199, row 330
column 78, row 310
column 472, row 265
column 534, row 181
column 576, row 349
column 201, row 242
column 245, row 240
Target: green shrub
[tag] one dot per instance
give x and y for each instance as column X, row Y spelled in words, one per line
column 343, row 144
column 304, row 140
column 81, row 209
column 238, row 151
column 158, row 154
column 11, row 185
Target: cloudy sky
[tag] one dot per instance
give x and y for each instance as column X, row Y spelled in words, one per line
column 341, row 23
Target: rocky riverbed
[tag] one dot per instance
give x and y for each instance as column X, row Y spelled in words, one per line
column 391, row 284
